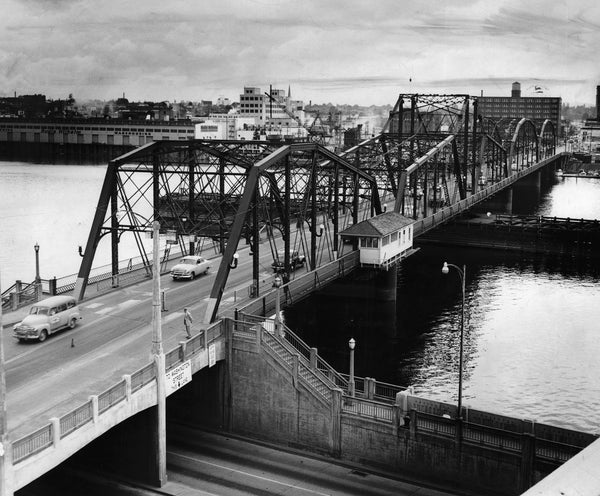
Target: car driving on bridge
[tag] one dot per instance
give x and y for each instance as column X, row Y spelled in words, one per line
column 296, row 261
column 46, row 317
column 189, row 267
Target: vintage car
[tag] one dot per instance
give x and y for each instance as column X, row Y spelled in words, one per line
column 189, row 267
column 46, row 317
column 296, row 261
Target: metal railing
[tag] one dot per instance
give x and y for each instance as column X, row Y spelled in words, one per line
column 423, row 225
column 32, row 443
column 369, row 409
column 76, row 418
column 111, row 397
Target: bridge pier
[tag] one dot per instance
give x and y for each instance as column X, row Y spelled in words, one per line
column 366, row 283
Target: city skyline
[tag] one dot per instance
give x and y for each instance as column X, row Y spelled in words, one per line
column 361, row 54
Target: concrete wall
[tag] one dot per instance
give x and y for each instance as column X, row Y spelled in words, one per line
column 273, row 399
column 269, row 402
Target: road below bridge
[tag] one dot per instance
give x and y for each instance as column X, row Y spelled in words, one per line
column 207, row 464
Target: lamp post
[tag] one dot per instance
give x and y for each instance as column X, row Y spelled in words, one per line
column 351, row 345
column 38, row 281
column 277, row 284
column 36, row 247
column 462, row 273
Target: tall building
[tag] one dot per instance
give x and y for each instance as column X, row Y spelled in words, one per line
column 278, row 110
column 536, row 108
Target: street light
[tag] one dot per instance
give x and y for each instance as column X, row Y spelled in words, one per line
column 351, row 345
column 36, row 247
column 234, row 262
column 462, row 273
column 38, row 281
column 277, row 285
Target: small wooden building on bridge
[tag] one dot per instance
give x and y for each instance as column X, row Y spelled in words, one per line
column 382, row 240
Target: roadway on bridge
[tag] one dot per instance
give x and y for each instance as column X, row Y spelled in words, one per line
column 114, row 337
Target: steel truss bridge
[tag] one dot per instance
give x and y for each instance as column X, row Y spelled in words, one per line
column 434, row 151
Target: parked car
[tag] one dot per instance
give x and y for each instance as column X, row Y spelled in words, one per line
column 46, row 317
column 189, row 267
column 296, row 261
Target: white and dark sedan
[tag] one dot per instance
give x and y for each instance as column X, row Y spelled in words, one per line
column 189, row 267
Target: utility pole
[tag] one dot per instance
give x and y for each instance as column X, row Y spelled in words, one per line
column 3, row 422
column 159, row 359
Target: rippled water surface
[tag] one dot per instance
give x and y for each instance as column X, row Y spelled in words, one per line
column 532, row 326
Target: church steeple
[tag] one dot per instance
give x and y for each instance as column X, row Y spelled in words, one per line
column 289, row 91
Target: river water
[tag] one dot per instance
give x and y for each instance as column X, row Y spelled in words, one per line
column 53, row 206
column 532, row 325
column 532, row 329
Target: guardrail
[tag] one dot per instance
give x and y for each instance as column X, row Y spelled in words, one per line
column 301, row 287
column 423, row 225
column 546, row 222
column 73, row 420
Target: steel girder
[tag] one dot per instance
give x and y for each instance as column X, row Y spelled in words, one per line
column 547, row 139
column 191, row 187
column 524, row 149
column 301, row 196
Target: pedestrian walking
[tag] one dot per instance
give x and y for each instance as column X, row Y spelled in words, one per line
column 187, row 322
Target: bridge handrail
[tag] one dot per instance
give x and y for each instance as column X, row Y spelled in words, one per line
column 492, row 436
column 299, row 287
column 76, row 418
column 427, row 223
column 368, row 408
column 112, row 396
column 570, row 222
column 314, row 378
column 32, row 443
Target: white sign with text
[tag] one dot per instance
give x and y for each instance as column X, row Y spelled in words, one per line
column 212, row 355
column 178, row 377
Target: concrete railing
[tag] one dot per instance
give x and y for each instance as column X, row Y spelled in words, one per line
column 50, row 434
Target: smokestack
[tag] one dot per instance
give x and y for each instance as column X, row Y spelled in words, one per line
column 598, row 103
column 516, row 90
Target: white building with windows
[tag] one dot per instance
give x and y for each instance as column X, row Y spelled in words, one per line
column 277, row 112
column 382, row 240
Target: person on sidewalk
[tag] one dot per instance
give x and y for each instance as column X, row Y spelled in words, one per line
column 187, row 322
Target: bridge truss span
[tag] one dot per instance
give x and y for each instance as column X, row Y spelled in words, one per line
column 295, row 197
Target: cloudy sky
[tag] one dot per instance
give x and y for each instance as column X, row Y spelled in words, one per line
column 339, row 51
